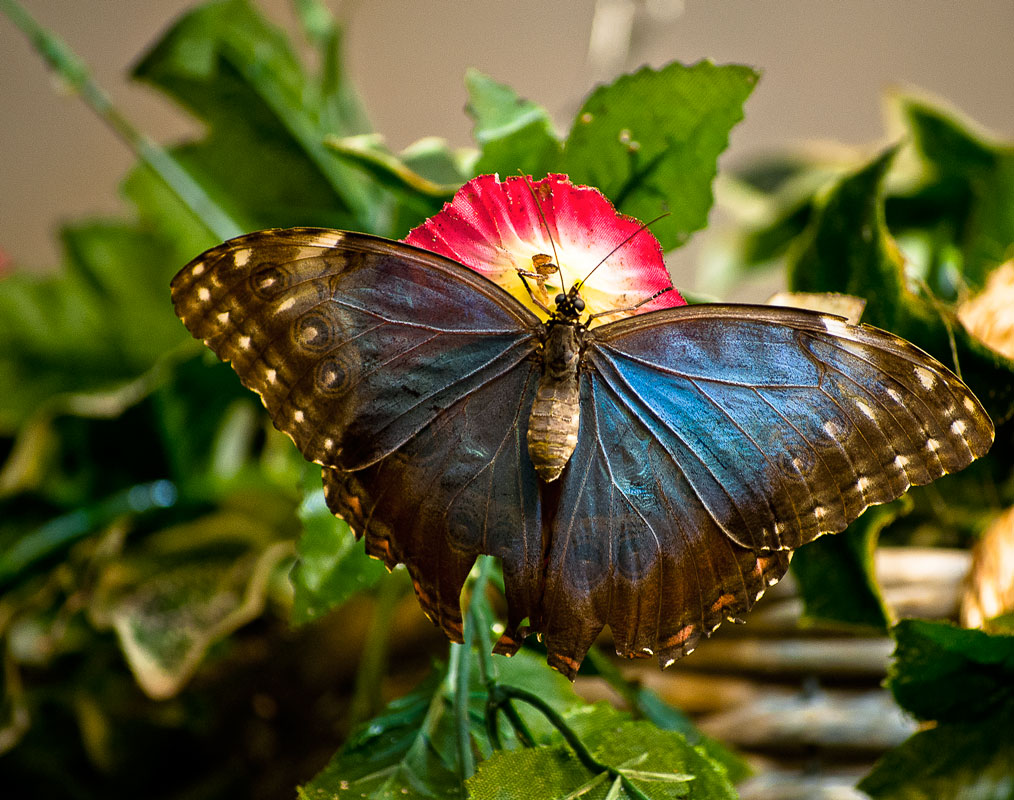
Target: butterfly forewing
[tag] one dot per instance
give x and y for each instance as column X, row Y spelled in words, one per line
column 787, row 423
column 355, row 343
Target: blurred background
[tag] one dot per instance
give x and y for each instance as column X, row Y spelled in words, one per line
column 272, row 704
column 826, row 68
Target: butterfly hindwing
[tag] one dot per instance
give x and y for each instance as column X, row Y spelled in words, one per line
column 462, row 486
column 633, row 547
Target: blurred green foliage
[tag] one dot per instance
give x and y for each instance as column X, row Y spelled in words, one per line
column 150, row 515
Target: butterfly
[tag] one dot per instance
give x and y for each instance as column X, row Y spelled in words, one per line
column 705, row 442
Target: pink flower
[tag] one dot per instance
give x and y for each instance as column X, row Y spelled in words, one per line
column 496, row 228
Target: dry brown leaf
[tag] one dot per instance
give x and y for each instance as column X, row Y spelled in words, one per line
column 989, row 588
column 989, row 316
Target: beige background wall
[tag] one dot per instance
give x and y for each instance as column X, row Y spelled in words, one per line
column 825, row 64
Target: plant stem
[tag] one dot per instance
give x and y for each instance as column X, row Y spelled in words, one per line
column 366, row 699
column 461, row 662
column 502, row 695
column 461, row 656
column 73, row 70
column 478, row 622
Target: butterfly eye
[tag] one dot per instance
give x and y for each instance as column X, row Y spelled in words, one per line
column 560, row 299
column 578, row 304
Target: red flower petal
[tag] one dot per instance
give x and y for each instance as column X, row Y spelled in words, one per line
column 495, row 227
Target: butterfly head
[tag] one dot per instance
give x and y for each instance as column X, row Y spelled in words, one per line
column 569, row 305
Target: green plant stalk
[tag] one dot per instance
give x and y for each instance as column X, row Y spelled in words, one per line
column 502, row 694
column 366, row 697
column 477, row 621
column 72, row 69
column 460, row 676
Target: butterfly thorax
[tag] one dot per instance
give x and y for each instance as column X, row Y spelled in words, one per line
column 555, row 417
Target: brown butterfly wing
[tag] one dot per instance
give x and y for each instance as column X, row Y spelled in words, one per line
column 463, row 485
column 407, row 370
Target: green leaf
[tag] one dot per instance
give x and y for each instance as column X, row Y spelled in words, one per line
column 836, row 573
column 410, row 749
column 984, row 171
column 514, row 134
column 331, row 565
column 425, row 172
column 100, row 323
column 340, row 106
column 848, row 249
column 963, row 679
column 651, row 140
column 951, row 762
column 645, row 762
column 393, row 755
column 186, row 588
column 264, row 158
column 655, row 710
column 946, row 673
column 646, row 704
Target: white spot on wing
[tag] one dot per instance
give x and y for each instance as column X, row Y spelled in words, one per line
column 241, row 257
column 969, row 404
column 244, row 342
column 932, row 445
column 669, row 663
column 958, row 427
column 901, row 462
column 863, row 484
column 271, row 375
column 328, row 239
column 299, row 416
column 198, row 269
column 926, row 378
column 893, row 394
column 865, row 409
column 223, row 317
column 203, row 294
column 820, row 512
column 836, row 327
column 287, row 304
column 329, row 443
column 832, row 429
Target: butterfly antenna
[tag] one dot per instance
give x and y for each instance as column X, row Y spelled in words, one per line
column 538, row 207
column 608, row 255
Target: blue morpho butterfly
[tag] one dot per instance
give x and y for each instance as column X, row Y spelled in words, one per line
column 711, row 441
